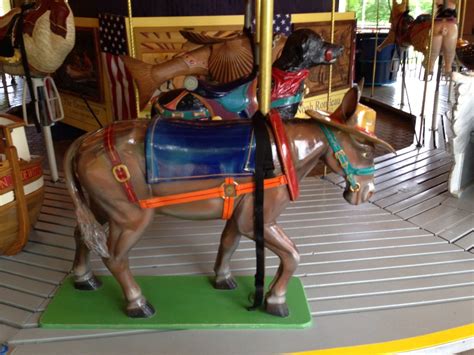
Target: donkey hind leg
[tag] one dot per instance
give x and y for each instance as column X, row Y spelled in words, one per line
column 121, row 240
column 84, row 279
column 230, row 239
column 278, row 242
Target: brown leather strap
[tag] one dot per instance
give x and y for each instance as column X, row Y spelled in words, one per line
column 119, row 170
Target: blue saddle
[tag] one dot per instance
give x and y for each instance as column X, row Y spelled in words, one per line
column 178, row 150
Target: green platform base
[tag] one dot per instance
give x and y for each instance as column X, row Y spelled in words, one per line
column 181, row 302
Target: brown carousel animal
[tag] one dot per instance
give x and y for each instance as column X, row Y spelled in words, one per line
column 406, row 31
column 208, row 177
column 221, row 59
column 46, row 31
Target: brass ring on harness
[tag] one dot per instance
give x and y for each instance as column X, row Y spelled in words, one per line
column 356, row 188
column 229, row 190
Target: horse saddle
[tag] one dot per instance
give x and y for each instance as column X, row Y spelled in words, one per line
column 183, row 150
column 233, row 100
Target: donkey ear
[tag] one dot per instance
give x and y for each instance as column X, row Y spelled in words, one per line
column 349, row 103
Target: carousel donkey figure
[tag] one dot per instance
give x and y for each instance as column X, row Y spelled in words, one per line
column 303, row 50
column 132, row 169
column 43, row 31
column 406, row 31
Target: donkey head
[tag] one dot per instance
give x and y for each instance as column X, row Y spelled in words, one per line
column 350, row 135
column 305, row 49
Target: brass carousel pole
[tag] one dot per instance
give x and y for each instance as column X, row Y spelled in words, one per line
column 258, row 26
column 131, row 48
column 333, row 21
column 462, row 17
column 374, row 66
column 265, row 69
column 428, row 62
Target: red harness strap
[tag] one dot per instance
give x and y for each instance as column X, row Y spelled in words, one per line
column 119, row 170
column 285, row 154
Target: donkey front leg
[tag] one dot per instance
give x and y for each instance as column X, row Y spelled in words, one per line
column 278, row 242
column 230, row 239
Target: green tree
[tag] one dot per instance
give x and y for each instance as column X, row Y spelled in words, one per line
column 366, row 10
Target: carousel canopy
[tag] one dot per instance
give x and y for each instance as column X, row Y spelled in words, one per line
column 154, row 8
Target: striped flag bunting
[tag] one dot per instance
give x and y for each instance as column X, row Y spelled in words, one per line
column 113, row 43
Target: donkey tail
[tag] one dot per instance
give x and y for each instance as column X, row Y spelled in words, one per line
column 94, row 235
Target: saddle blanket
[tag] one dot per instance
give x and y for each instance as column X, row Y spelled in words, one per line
column 183, row 150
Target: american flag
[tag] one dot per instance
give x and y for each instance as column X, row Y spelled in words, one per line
column 113, row 43
column 281, row 24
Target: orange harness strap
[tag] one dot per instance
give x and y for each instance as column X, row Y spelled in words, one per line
column 228, row 191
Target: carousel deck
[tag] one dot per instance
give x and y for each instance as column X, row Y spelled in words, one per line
column 400, row 266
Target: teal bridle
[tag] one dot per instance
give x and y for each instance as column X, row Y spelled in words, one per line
column 343, row 160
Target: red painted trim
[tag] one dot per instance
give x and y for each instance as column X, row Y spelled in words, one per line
column 120, row 174
column 285, row 153
column 30, row 173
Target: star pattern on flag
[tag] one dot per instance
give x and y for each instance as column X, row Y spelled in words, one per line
column 112, row 34
column 281, row 24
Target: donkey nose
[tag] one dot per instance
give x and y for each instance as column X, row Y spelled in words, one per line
column 328, row 55
column 369, row 191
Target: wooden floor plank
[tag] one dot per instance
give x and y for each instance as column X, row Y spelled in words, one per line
column 400, row 193
column 54, row 228
column 19, row 283
column 58, row 212
column 408, row 271
column 308, row 255
column 13, row 316
column 413, row 177
column 66, row 242
column 19, row 299
column 410, row 165
column 431, row 218
column 466, row 242
column 34, row 272
column 419, row 203
column 459, row 230
column 392, row 301
column 58, row 204
column 57, row 220
column 51, row 251
column 387, row 287
column 43, row 261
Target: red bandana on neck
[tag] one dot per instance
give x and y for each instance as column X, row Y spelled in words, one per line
column 287, row 83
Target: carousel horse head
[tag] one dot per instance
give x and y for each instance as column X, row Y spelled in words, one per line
column 48, row 36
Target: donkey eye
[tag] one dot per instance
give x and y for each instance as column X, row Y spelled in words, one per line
column 367, row 155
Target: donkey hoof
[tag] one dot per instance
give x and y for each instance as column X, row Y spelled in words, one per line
column 90, row 284
column 144, row 311
column 277, row 309
column 228, row 283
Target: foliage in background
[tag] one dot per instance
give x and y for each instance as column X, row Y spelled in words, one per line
column 370, row 6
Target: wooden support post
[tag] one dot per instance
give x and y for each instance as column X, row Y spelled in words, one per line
column 22, row 208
